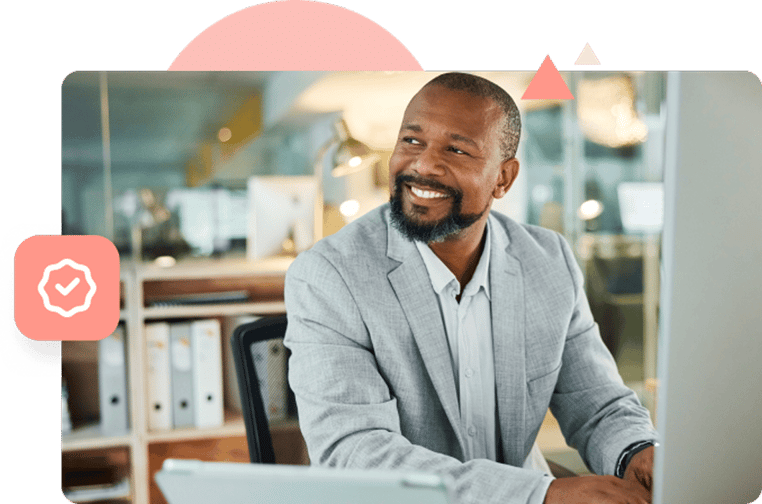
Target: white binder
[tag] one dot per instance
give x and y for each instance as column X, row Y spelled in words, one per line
column 206, row 350
column 112, row 383
column 180, row 357
column 159, row 401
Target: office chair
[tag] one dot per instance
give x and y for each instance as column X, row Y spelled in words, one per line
column 255, row 419
column 254, row 416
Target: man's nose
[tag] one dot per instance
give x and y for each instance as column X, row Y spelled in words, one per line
column 429, row 163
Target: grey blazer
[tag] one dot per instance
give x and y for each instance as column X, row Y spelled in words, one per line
column 373, row 379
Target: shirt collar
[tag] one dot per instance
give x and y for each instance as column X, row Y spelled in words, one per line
column 441, row 276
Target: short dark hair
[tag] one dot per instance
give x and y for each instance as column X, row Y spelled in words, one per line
column 479, row 86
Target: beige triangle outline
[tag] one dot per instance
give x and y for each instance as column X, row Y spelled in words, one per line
column 587, row 57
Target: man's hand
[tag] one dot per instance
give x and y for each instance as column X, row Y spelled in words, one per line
column 596, row 490
column 641, row 468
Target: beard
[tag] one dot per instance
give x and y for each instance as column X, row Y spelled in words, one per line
column 428, row 232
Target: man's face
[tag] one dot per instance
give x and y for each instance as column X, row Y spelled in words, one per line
column 446, row 164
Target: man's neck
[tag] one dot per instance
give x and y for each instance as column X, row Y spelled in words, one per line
column 461, row 253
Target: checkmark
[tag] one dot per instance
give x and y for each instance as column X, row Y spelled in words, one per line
column 66, row 290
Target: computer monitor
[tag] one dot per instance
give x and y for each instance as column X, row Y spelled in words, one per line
column 710, row 348
column 281, row 209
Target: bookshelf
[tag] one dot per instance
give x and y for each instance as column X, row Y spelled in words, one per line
column 140, row 452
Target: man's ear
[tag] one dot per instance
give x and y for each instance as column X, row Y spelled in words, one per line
column 509, row 170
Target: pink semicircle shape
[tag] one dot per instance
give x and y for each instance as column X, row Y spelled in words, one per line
column 295, row 35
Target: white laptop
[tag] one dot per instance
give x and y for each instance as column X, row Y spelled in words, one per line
column 196, row 482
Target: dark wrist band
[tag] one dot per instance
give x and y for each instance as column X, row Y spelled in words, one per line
column 628, row 453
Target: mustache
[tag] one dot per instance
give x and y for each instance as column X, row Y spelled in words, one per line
column 425, row 183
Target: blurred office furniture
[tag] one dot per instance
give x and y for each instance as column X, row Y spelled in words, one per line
column 98, row 477
column 210, row 220
column 252, row 403
column 140, row 452
column 65, row 416
column 622, row 272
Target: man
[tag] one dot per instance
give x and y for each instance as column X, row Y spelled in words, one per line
column 432, row 334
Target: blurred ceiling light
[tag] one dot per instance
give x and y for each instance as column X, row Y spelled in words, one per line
column 541, row 193
column 224, row 134
column 606, row 113
column 349, row 208
column 590, row 209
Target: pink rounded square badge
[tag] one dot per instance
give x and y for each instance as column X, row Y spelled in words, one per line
column 66, row 288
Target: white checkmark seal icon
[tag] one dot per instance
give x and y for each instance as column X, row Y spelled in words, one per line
column 66, row 290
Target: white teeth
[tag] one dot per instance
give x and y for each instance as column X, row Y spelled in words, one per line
column 426, row 194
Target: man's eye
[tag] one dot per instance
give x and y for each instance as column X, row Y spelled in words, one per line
column 458, row 151
column 411, row 140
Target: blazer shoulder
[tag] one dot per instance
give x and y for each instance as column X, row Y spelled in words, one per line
column 528, row 242
column 359, row 246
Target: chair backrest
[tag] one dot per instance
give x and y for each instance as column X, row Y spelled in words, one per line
column 254, row 414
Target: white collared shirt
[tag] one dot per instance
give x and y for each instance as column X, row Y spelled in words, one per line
column 468, row 325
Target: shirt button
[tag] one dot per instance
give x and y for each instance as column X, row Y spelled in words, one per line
column 469, row 373
column 472, row 431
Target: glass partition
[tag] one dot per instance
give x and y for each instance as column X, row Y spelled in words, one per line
column 594, row 168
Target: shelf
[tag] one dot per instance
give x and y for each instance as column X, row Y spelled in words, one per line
column 215, row 310
column 116, row 492
column 79, row 352
column 142, row 287
column 202, row 268
column 90, row 437
column 233, row 427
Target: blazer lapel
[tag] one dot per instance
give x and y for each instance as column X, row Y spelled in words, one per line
column 418, row 300
column 507, row 291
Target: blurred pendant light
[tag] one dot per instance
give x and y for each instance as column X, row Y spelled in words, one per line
column 606, row 112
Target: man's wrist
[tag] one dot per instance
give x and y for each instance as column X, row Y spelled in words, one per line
column 628, row 453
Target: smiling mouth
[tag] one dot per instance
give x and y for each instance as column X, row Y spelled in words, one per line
column 427, row 194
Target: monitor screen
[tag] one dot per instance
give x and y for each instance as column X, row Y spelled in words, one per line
column 281, row 216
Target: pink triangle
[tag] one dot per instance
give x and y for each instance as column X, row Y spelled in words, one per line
column 587, row 57
column 547, row 84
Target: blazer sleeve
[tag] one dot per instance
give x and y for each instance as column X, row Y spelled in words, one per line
column 598, row 414
column 347, row 414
